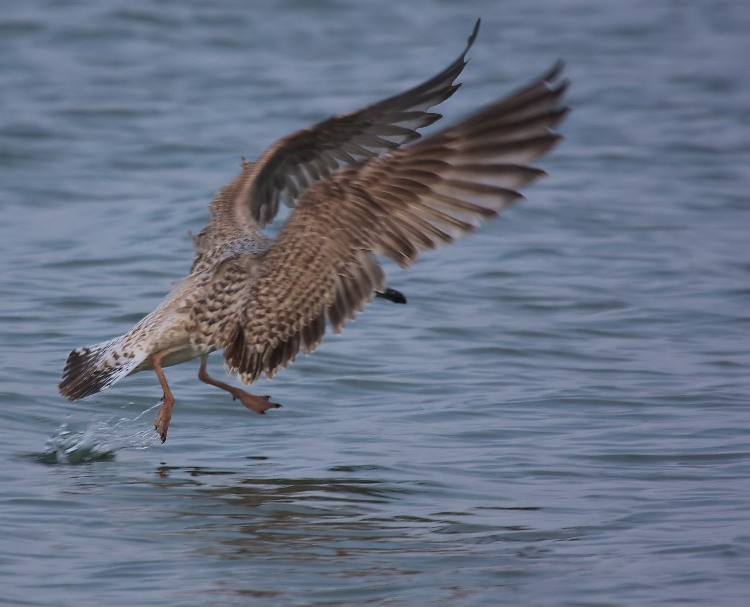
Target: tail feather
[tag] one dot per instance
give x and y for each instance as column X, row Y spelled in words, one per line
column 91, row 369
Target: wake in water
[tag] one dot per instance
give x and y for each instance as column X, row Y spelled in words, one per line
column 99, row 441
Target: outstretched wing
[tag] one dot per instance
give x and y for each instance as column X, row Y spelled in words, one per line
column 322, row 266
column 293, row 163
column 288, row 167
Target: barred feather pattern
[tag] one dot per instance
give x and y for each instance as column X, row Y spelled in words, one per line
column 91, row 369
column 293, row 163
column 413, row 199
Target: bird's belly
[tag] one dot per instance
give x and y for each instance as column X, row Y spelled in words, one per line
column 175, row 357
column 183, row 355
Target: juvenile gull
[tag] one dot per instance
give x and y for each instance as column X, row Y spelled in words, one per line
column 362, row 185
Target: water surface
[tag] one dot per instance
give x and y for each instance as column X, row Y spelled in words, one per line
column 559, row 416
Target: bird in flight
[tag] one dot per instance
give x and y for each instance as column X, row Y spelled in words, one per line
column 361, row 185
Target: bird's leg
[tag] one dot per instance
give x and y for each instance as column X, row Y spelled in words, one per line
column 165, row 412
column 259, row 404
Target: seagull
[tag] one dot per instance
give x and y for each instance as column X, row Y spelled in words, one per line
column 361, row 185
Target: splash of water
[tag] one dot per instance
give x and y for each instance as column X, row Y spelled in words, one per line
column 99, row 441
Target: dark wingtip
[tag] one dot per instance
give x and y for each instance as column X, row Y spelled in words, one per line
column 474, row 33
column 392, row 295
column 554, row 72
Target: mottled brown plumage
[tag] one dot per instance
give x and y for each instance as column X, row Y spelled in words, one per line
column 363, row 186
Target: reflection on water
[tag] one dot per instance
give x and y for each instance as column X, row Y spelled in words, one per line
column 355, row 529
column 326, row 509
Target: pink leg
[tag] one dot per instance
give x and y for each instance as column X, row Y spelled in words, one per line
column 165, row 412
column 259, row 404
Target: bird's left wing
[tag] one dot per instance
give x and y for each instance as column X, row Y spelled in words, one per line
column 298, row 160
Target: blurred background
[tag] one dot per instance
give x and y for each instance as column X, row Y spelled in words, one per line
column 558, row 416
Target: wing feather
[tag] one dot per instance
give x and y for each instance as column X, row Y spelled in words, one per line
column 295, row 162
column 415, row 198
column 345, row 139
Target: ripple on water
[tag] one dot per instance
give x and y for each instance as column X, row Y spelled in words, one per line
column 99, row 441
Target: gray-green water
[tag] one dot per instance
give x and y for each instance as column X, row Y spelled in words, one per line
column 559, row 416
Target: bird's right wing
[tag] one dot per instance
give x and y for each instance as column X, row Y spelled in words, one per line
column 322, row 265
